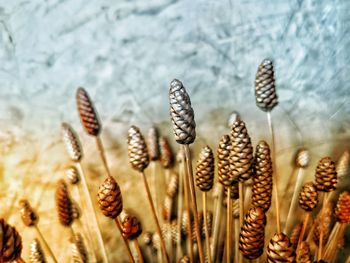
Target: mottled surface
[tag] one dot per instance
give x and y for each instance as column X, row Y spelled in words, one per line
column 125, row 53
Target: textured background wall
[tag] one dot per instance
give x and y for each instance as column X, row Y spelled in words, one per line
column 125, row 53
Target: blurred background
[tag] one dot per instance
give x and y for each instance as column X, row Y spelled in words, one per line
column 125, row 53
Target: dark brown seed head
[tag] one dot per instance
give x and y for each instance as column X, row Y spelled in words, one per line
column 265, row 90
column 78, row 248
column 72, row 143
column 166, row 153
column 10, row 243
column 280, row 249
column 131, row 227
column 137, row 149
column 303, row 253
column 324, row 222
column 181, row 112
column 64, row 204
column 28, row 215
column 326, row 175
column 110, row 198
column 87, row 112
column 308, row 197
column 168, row 208
column 252, row 235
column 223, row 154
column 294, row 236
column 343, row 165
column 241, row 156
column 73, row 175
column 173, row 185
column 205, row 170
column 36, row 252
column 185, row 220
column 342, row 210
column 262, row 181
column 302, row 158
column 153, row 144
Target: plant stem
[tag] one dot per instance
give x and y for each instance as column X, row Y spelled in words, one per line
column 46, row 245
column 118, row 223
column 102, row 153
column 138, row 249
column 228, row 225
column 207, row 236
column 217, row 221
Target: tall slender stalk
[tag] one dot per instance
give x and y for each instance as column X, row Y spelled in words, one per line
column 207, row 236
column 229, row 225
column 46, row 245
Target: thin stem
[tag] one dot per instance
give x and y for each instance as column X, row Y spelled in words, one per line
column 237, row 228
column 320, row 247
column 102, row 153
column 247, row 195
column 46, row 245
column 179, row 214
column 72, row 231
column 303, row 227
column 332, row 241
column 155, row 186
column 228, row 225
column 149, row 196
column 92, row 212
column 288, row 184
column 294, row 200
column 119, row 226
column 274, row 174
column 241, row 203
column 194, row 200
column 138, row 249
column 207, row 236
column 217, row 221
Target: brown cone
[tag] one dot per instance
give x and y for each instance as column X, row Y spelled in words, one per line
column 326, row 175
column 223, row 154
column 79, row 252
column 205, row 170
column 71, row 140
column 173, row 185
column 11, row 242
column 88, row 115
column 302, row 159
column 262, row 181
column 181, row 112
column 168, row 208
column 235, row 209
column 73, row 175
column 342, row 210
column 131, row 227
column 323, row 222
column 308, row 197
column 303, row 253
column 110, row 198
column 241, row 156
column 294, row 236
column 36, row 252
column 28, row 215
column 166, row 153
column 64, row 204
column 252, row 235
column 280, row 249
column 137, row 149
column 265, row 90
column 153, row 144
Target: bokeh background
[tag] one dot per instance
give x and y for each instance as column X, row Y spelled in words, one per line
column 125, row 53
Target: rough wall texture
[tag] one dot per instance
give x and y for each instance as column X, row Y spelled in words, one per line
column 125, row 53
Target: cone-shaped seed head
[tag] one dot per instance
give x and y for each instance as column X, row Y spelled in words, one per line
column 342, row 210
column 343, row 165
column 324, row 222
column 78, row 248
column 280, row 249
column 36, row 252
column 262, row 181
column 241, row 156
column 302, row 159
column 181, row 112
column 252, row 235
column 87, row 112
column 137, row 149
column 11, row 242
column 265, row 90
column 110, row 198
column 223, row 153
column 294, row 236
column 303, row 253
column 205, row 169
column 64, row 204
column 308, row 197
column 72, row 175
column 173, row 185
column 326, row 175
column 166, row 153
column 153, row 144
column 28, row 215
column 71, row 140
column 131, row 227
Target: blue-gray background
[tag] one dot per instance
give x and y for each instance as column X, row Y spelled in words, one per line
column 125, row 53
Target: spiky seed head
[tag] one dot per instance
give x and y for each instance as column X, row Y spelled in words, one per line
column 78, row 248
column 181, row 112
column 302, row 159
column 137, row 149
column 241, row 156
column 36, row 254
column 326, row 175
column 64, row 204
column 173, row 185
column 294, row 236
column 308, row 197
column 87, row 113
column 342, row 210
column 28, row 215
column 223, row 156
column 280, row 249
column 166, row 153
column 72, row 143
column 205, row 169
column 131, row 227
column 303, row 253
column 73, row 175
column 110, row 198
column 265, row 90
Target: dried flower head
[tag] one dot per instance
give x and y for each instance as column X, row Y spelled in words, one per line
column 308, row 196
column 326, row 175
column 64, row 204
column 137, row 149
column 342, row 210
column 73, row 175
column 223, row 153
column 36, row 254
column 78, row 248
column 110, row 198
column 71, row 140
column 324, row 222
column 280, row 249
column 181, row 112
column 131, row 227
column 153, row 144
column 173, row 185
column 302, row 159
column 303, row 253
column 343, row 165
column 205, row 169
column 28, row 215
column 294, row 237
column 166, row 153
